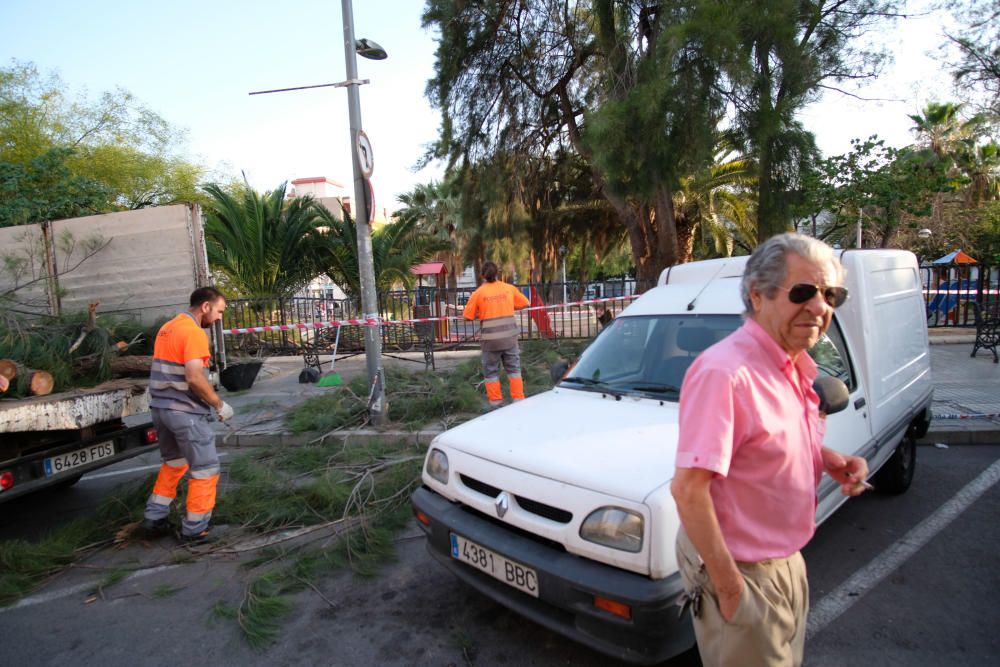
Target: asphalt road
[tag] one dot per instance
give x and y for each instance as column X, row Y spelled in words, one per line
column 896, row 580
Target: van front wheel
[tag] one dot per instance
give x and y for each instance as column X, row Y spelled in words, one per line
column 896, row 475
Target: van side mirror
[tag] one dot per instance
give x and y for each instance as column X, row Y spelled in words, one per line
column 558, row 370
column 833, row 394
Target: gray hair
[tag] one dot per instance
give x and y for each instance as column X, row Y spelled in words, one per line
column 767, row 267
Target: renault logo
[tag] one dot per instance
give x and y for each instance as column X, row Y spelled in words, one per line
column 501, row 504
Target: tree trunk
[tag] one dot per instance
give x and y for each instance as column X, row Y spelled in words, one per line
column 651, row 252
column 131, row 366
column 685, row 239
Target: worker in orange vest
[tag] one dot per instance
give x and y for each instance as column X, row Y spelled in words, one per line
column 493, row 304
column 181, row 403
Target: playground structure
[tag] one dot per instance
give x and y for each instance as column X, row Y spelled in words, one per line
column 953, row 283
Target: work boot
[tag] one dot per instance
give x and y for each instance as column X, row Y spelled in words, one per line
column 204, row 537
column 153, row 528
column 491, row 406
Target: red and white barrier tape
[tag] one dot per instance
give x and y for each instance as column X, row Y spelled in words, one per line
column 371, row 321
column 985, row 415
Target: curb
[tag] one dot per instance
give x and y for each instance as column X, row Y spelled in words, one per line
column 985, row 433
column 420, row 438
column 954, row 339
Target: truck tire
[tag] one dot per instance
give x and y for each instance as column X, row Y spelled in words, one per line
column 896, row 475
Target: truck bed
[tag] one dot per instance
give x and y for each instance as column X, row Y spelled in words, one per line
column 75, row 409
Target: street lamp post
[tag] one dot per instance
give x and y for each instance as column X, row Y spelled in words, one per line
column 562, row 253
column 369, row 297
column 859, row 239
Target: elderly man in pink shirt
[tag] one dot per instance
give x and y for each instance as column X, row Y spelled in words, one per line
column 750, row 459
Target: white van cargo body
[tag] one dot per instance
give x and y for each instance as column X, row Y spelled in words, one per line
column 559, row 506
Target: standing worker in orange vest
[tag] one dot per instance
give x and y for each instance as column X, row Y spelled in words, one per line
column 181, row 402
column 493, row 304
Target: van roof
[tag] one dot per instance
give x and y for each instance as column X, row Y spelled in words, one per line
column 703, row 271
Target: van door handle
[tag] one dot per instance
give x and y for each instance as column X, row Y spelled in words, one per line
column 860, row 403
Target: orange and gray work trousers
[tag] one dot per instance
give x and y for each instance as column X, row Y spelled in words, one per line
column 187, row 443
column 511, row 360
column 768, row 627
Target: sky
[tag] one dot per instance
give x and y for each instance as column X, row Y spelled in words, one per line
column 194, row 62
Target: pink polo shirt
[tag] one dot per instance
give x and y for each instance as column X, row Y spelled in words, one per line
column 749, row 414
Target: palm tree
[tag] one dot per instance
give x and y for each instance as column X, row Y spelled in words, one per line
column 980, row 165
column 263, row 245
column 939, row 127
column 438, row 213
column 396, row 248
column 717, row 202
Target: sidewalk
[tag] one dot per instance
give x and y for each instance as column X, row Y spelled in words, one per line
column 963, row 386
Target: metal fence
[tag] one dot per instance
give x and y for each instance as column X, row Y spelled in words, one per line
column 949, row 292
column 571, row 321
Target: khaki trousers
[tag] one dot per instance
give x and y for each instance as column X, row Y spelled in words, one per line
column 769, row 626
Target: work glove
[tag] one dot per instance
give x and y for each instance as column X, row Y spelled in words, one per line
column 225, row 412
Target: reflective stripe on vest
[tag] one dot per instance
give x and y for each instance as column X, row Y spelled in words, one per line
column 499, row 327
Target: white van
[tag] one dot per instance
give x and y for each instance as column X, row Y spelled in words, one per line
column 559, row 506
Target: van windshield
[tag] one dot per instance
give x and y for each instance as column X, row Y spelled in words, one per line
column 648, row 354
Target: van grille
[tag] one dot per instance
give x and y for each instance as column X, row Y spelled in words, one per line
column 533, row 506
column 552, row 544
column 480, row 487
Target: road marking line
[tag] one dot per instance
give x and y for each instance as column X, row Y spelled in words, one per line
column 127, row 471
column 115, row 473
column 840, row 600
column 79, row 588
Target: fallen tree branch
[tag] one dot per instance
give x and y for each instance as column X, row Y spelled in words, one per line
column 87, row 327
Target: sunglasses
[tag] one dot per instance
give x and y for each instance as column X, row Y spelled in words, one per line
column 800, row 293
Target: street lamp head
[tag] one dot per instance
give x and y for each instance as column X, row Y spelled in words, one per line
column 366, row 48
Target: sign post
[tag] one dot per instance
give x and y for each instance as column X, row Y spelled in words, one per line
column 363, row 164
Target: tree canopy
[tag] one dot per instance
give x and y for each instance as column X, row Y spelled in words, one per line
column 977, row 68
column 637, row 92
column 62, row 156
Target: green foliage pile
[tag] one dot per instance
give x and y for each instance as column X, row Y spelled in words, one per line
column 421, row 398
column 25, row 565
column 414, row 399
column 328, row 482
column 365, row 489
column 43, row 344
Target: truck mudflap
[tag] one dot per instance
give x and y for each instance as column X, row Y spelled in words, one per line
column 36, row 471
column 566, row 587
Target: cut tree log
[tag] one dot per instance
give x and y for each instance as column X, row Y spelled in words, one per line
column 8, row 368
column 135, row 365
column 40, row 383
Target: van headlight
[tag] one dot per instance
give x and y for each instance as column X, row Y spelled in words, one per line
column 614, row 527
column 437, row 465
